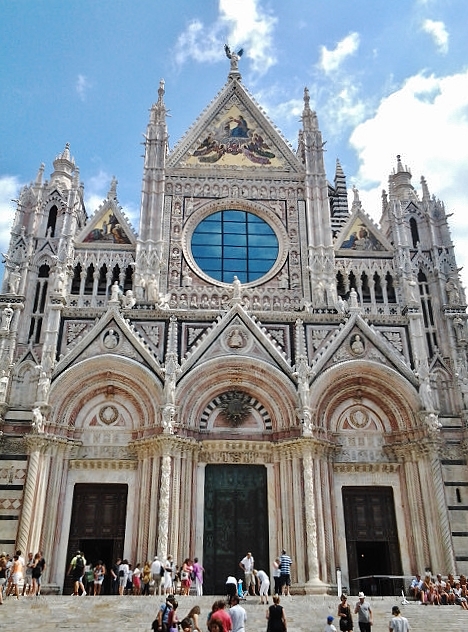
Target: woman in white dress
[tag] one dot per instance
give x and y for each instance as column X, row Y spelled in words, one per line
column 168, row 575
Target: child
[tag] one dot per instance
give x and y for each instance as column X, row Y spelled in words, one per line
column 329, row 627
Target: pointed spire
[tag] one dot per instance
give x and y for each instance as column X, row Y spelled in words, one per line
column 40, row 173
column 64, row 165
column 309, row 117
column 339, row 199
column 158, row 111
column 426, row 196
column 401, row 180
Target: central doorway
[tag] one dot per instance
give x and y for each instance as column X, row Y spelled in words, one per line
column 235, row 522
column 97, row 527
column 374, row 560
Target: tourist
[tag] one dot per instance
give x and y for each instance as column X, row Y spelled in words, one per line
column 3, row 566
column 285, row 573
column 186, row 576
column 276, row 616
column 99, row 574
column 398, row 623
column 277, row 575
column 137, row 579
column 16, row 575
column 263, row 585
column 364, row 612
column 168, row 572
column 172, row 619
column 146, row 579
column 238, row 615
column 28, row 574
column 115, row 576
column 345, row 619
column 247, row 565
column 194, row 619
column 77, row 568
column 198, row 571
column 160, row 623
column 157, row 573
column 329, row 627
column 38, row 571
column 218, row 614
column 123, row 575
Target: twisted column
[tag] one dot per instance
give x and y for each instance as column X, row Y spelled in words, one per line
column 163, row 506
column 34, row 445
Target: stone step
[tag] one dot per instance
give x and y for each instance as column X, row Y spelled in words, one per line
column 119, row 614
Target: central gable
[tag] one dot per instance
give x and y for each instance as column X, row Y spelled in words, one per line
column 234, row 132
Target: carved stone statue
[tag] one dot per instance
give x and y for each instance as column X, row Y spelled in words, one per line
column 3, row 386
column 37, row 424
column 7, row 315
column 59, row 283
column 128, row 300
column 14, row 279
column 186, row 279
column 236, row 284
column 115, row 292
column 152, row 288
column 43, row 387
column 353, row 299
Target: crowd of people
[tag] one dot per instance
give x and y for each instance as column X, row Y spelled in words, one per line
column 156, row 576
column 440, row 592
column 226, row 615
column 21, row 577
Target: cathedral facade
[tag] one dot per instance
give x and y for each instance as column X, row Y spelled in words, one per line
column 259, row 367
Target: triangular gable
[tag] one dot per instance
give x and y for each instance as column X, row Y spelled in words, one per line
column 108, row 226
column 357, row 340
column 362, row 237
column 234, row 132
column 236, row 333
column 88, row 346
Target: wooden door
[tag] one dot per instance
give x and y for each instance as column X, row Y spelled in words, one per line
column 97, row 525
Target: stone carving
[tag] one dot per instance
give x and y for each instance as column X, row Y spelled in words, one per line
column 108, row 414
column 115, row 292
column 37, row 424
column 128, row 300
column 14, row 278
column 235, row 339
column 357, row 345
column 111, row 339
column 7, row 315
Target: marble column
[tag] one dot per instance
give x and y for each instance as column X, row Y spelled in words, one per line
column 163, row 505
column 35, row 445
column 313, row 584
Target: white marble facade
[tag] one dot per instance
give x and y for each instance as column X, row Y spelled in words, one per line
column 342, row 365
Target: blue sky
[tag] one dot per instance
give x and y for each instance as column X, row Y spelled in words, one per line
column 385, row 79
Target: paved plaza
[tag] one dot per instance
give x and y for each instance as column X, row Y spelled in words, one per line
column 304, row 614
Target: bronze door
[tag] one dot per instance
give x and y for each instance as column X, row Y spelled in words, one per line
column 374, row 560
column 97, row 526
column 235, row 522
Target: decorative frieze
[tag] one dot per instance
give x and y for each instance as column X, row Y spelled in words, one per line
column 103, row 464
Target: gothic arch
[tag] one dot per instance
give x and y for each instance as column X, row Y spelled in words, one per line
column 264, row 383
column 378, row 388
column 136, row 392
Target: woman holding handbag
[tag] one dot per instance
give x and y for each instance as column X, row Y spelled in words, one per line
column 344, row 615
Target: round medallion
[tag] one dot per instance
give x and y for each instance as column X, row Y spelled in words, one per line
column 108, row 414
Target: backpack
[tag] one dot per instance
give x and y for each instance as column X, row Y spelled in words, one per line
column 79, row 563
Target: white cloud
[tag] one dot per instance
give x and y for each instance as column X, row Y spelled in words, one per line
column 331, row 60
column 82, row 86
column 439, row 34
column 240, row 24
column 426, row 121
